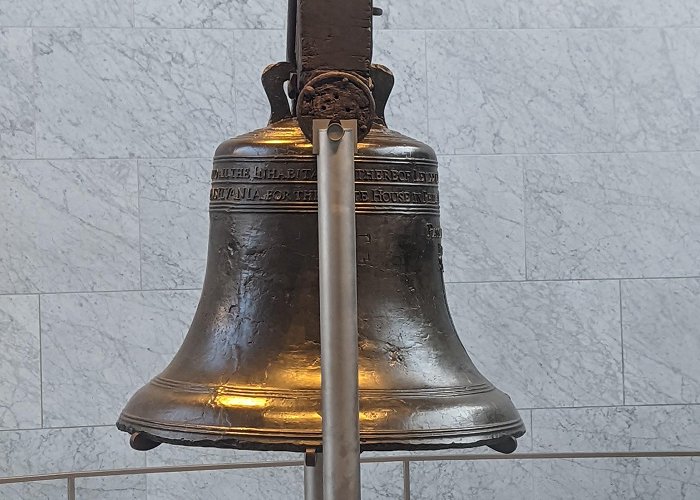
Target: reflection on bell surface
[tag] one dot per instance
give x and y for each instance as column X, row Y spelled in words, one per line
column 248, row 374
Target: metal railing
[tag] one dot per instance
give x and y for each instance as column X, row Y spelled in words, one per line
column 70, row 477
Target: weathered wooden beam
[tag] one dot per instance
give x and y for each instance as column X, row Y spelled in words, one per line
column 334, row 35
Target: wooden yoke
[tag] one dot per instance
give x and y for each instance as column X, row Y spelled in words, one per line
column 333, row 57
column 334, row 35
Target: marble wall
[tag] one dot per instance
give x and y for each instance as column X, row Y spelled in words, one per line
column 569, row 136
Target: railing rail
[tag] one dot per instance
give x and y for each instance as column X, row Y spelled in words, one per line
column 70, row 477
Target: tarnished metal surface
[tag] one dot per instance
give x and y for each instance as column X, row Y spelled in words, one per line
column 248, row 374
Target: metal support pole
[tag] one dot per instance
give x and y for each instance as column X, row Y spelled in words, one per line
column 336, row 144
column 71, row 488
column 313, row 475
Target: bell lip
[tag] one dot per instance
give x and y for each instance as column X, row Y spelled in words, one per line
column 196, row 436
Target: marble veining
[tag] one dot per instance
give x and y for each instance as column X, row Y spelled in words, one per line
column 131, row 487
column 40, row 490
column 382, row 481
column 240, row 14
column 412, row 14
column 530, row 91
column 612, row 215
column 17, row 93
column 404, row 53
column 403, row 14
column 485, row 480
column 613, row 429
column 73, row 225
column 173, row 203
column 546, row 344
column 124, row 93
column 481, row 203
column 98, row 349
column 20, row 385
column 661, row 327
column 279, row 483
column 656, row 89
column 604, row 479
column 269, row 46
column 43, row 451
column 66, row 13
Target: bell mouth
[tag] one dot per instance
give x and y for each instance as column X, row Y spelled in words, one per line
column 167, row 411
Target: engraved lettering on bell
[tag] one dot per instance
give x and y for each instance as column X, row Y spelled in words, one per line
column 434, row 232
column 248, row 373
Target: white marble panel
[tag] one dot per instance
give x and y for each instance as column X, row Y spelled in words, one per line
column 131, row 487
column 612, row 429
column 240, row 14
column 253, row 51
column 20, row 382
column 98, row 349
column 404, row 53
column 382, row 481
column 44, row 451
column 74, row 225
column 612, row 215
column 546, row 344
column 568, row 13
column 656, row 89
column 39, row 490
column 17, row 93
column 605, row 479
column 661, row 327
column 522, row 91
column 66, row 13
column 122, row 92
column 413, row 14
column 605, row 13
column 127, row 487
column 481, row 200
column 173, row 203
column 650, row 13
column 280, row 483
column 403, row 14
column 379, row 480
column 459, row 480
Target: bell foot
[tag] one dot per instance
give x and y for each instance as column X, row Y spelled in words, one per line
column 505, row 445
column 140, row 442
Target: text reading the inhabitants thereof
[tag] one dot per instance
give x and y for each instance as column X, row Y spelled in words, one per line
column 240, row 186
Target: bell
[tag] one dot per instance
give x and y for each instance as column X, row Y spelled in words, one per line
column 248, row 375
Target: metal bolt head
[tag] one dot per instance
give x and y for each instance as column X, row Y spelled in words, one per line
column 335, row 132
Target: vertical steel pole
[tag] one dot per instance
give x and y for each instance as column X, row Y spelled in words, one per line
column 338, row 294
column 313, row 475
column 71, row 488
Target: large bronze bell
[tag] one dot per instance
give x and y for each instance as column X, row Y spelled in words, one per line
column 248, row 374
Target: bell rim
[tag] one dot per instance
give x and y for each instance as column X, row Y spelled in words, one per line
column 231, row 438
